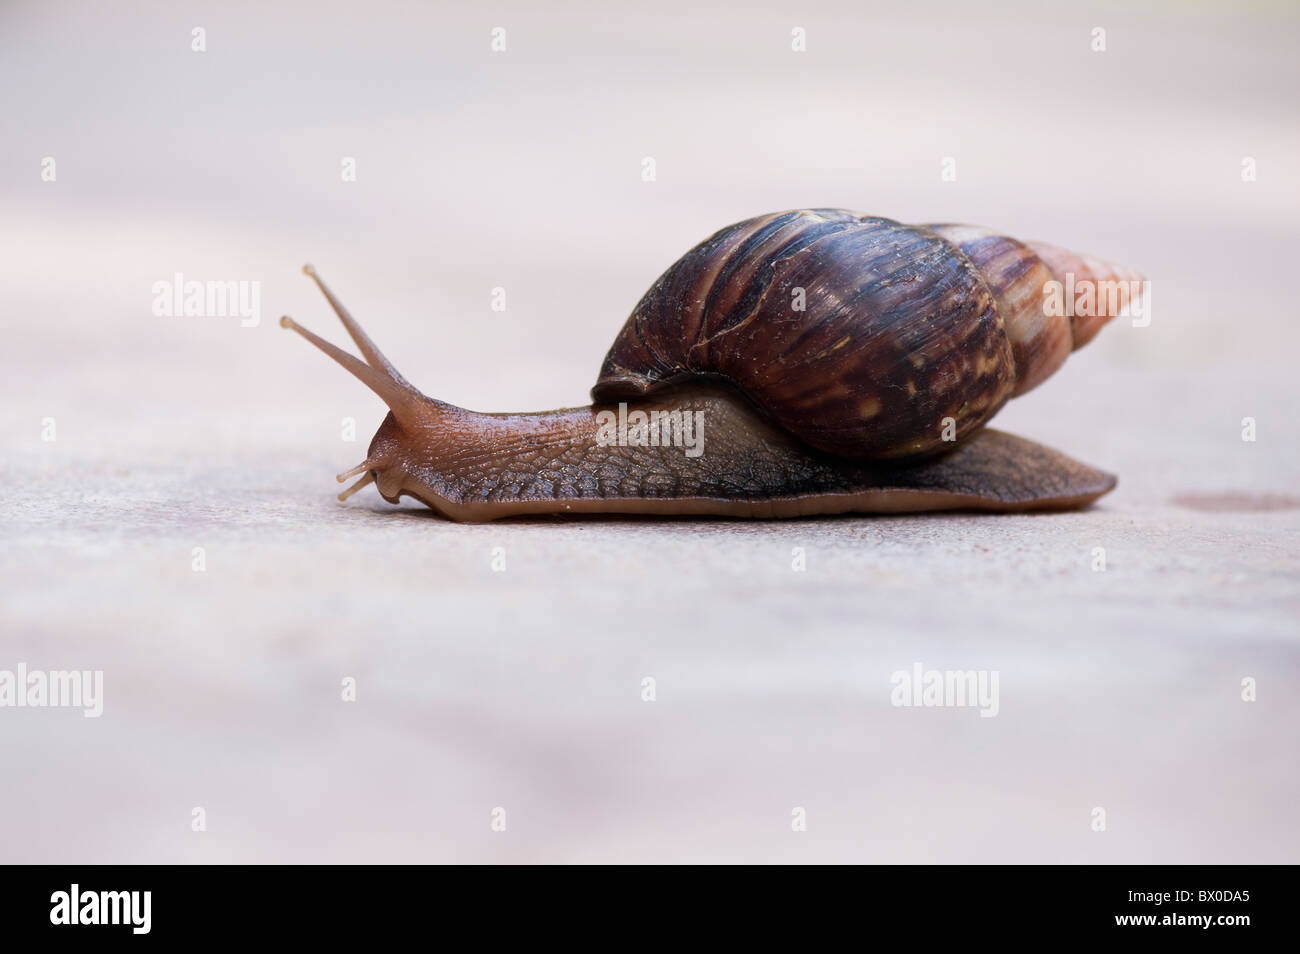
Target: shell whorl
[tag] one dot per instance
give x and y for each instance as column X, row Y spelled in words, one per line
column 1016, row 273
column 860, row 335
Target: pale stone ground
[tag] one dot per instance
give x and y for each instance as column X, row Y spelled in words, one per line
column 521, row 689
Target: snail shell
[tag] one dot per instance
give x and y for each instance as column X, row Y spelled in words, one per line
column 857, row 334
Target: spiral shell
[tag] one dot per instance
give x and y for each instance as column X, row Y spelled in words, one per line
column 859, row 335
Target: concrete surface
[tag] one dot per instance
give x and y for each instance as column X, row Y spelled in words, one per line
column 521, row 689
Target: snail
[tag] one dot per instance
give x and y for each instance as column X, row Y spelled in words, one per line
column 812, row 362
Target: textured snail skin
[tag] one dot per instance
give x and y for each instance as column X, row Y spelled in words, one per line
column 835, row 408
column 478, row 467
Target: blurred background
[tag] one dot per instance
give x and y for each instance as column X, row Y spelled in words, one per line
column 129, row 156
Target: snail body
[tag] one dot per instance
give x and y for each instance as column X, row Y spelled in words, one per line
column 825, row 362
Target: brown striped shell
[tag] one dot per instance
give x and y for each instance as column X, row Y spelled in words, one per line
column 900, row 327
